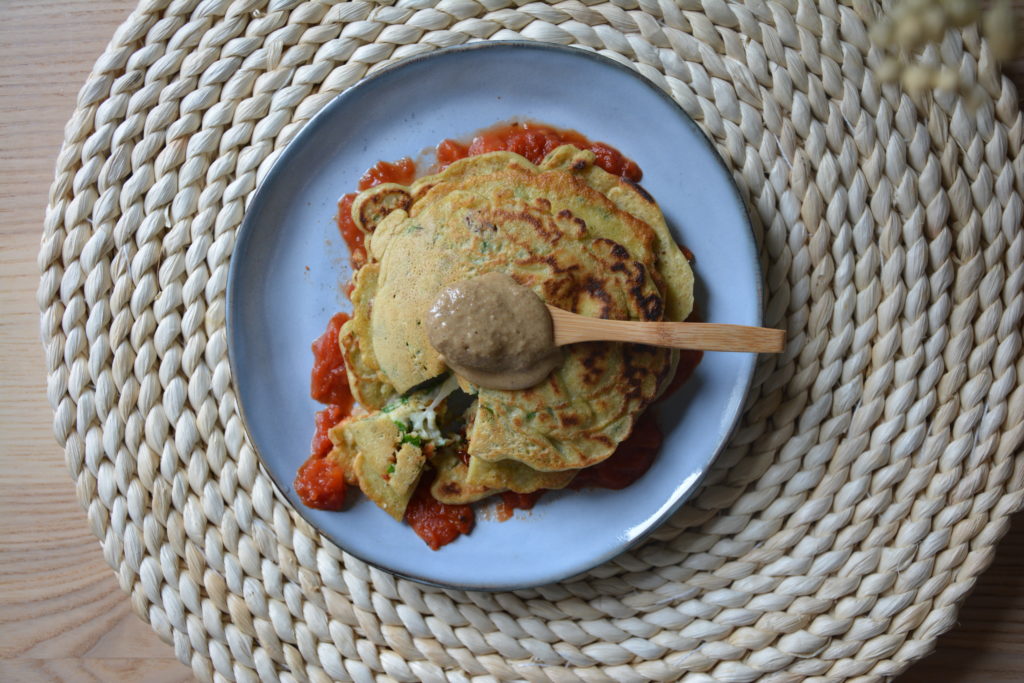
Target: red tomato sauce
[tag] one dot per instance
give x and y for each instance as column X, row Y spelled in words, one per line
column 320, row 482
column 402, row 172
column 630, row 460
column 512, row 501
column 350, row 232
column 535, row 141
column 329, row 382
column 325, row 420
column 437, row 523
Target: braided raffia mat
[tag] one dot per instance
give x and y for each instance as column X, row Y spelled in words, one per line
column 870, row 479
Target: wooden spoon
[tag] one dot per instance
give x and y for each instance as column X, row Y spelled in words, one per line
column 571, row 328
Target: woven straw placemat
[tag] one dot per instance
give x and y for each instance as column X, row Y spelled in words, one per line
column 874, row 470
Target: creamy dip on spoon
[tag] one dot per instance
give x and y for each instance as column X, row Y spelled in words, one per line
column 494, row 332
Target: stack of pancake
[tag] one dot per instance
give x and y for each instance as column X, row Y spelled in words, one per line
column 581, row 239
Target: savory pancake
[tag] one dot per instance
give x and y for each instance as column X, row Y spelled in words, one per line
column 672, row 265
column 459, row 482
column 579, row 238
column 386, row 468
column 384, row 451
column 546, row 230
column 370, row 387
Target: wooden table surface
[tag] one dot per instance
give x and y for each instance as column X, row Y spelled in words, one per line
column 62, row 616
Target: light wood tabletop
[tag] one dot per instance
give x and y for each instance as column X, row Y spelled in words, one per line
column 62, row 615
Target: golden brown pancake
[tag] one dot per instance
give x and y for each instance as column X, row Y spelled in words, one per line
column 578, row 237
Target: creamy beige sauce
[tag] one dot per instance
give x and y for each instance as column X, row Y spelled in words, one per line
column 494, row 332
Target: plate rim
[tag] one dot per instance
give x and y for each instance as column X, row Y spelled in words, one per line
column 245, row 228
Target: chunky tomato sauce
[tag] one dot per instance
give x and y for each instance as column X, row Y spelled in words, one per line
column 328, row 381
column 435, row 522
column 535, row 141
column 350, row 232
column 325, row 419
column 321, row 482
column 402, row 172
column 512, row 501
column 630, row 460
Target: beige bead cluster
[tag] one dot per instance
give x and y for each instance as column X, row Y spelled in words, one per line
column 912, row 25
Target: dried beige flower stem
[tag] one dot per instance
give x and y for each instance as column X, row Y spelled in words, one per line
column 913, row 25
column 999, row 26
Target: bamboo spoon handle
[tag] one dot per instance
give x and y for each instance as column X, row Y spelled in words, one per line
column 571, row 328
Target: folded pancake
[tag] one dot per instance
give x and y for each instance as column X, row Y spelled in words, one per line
column 458, row 482
column 385, row 451
column 580, row 238
column 628, row 196
column 370, row 387
column 386, row 468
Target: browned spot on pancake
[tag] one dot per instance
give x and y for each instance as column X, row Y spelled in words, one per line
column 549, row 231
column 595, row 288
column 525, row 217
column 579, row 165
column 632, row 374
column 557, row 389
column 479, row 226
column 422, row 190
column 543, row 204
column 651, row 306
column 581, row 225
column 558, row 291
column 640, row 190
column 593, row 362
column 378, row 206
column 543, row 226
column 450, row 488
column 615, row 250
column 548, row 260
column 571, row 420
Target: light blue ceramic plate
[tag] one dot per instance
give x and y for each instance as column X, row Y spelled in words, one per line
column 289, row 266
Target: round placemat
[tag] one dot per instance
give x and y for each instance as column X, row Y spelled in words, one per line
column 873, row 472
